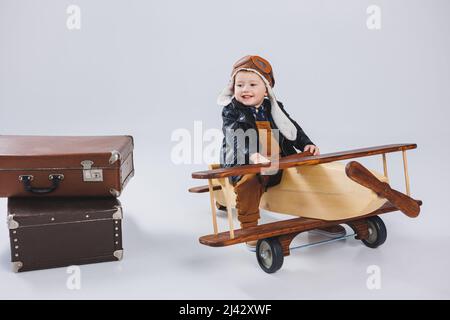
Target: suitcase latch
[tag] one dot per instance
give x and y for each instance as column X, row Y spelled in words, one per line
column 89, row 174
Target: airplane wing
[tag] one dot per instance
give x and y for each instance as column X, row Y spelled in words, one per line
column 304, row 158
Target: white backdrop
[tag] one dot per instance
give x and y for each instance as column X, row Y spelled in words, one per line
column 147, row 68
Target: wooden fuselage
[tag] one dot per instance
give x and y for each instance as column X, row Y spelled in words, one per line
column 320, row 191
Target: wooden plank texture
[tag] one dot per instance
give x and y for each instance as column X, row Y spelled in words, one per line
column 300, row 159
column 284, row 227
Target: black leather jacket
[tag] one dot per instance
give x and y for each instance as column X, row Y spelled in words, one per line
column 237, row 116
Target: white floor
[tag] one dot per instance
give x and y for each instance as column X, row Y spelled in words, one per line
column 164, row 260
column 144, row 69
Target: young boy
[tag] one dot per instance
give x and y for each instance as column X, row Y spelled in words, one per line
column 249, row 103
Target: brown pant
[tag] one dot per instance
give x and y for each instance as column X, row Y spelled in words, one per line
column 248, row 194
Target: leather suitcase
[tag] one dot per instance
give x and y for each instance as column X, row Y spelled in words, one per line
column 65, row 166
column 57, row 232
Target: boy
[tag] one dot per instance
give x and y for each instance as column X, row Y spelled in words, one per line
column 249, row 103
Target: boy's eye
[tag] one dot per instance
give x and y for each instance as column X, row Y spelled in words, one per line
column 253, row 84
column 239, row 85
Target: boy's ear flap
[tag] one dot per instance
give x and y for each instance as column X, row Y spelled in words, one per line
column 226, row 95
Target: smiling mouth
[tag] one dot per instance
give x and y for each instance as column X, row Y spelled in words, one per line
column 247, row 97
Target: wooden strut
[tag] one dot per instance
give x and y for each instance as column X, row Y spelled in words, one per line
column 361, row 228
column 285, row 241
column 405, row 168
column 385, row 166
column 229, row 210
column 213, row 207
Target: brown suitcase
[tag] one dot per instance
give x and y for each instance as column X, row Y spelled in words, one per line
column 65, row 166
column 57, row 232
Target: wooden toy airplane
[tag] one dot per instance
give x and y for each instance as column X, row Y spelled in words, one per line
column 320, row 192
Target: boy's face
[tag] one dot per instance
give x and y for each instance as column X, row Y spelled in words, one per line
column 249, row 88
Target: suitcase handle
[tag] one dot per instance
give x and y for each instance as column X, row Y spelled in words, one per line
column 54, row 178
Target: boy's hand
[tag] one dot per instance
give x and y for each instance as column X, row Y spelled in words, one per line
column 258, row 158
column 313, row 149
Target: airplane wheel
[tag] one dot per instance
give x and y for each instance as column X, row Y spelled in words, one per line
column 269, row 254
column 220, row 207
column 377, row 232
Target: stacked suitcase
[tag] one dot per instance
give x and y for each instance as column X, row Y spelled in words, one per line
column 62, row 198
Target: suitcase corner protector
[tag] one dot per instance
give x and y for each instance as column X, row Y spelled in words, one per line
column 114, row 192
column 115, row 155
column 118, row 254
column 118, row 215
column 12, row 224
column 16, row 266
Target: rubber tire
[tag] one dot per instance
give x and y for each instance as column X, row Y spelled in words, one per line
column 377, row 225
column 276, row 252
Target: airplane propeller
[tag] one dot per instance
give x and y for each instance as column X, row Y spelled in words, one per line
column 358, row 173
